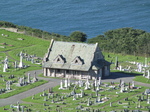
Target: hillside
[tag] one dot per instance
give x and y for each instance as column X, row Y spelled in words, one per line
column 125, row 41
column 15, row 42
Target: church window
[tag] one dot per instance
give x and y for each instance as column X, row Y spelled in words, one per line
column 58, row 70
column 58, row 60
column 67, row 71
column 76, row 61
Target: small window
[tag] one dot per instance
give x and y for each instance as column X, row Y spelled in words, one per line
column 67, row 71
column 58, row 70
column 76, row 61
column 75, row 72
column 58, row 60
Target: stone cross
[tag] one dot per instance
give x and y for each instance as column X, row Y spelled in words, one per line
column 87, row 84
column 6, row 62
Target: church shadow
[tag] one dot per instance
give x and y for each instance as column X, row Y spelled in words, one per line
column 115, row 75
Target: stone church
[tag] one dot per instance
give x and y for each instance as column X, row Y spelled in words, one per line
column 75, row 60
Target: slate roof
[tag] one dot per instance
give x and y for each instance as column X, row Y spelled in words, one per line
column 68, row 52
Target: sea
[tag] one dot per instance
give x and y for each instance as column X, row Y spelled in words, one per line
column 93, row 17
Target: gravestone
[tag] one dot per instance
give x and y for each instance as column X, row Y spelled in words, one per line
column 99, row 81
column 74, row 97
column 4, row 68
column 28, row 80
column 87, row 84
column 110, row 104
column 15, row 64
column 133, row 85
column 8, row 85
column 21, row 58
column 82, row 93
column 34, row 78
column 61, row 85
column 88, row 102
column 148, row 100
column 66, row 83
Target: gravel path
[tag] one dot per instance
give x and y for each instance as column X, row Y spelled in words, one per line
column 115, row 77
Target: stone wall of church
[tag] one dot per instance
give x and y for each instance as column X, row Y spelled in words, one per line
column 69, row 73
column 91, row 74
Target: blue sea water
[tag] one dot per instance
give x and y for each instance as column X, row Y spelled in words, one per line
column 93, row 17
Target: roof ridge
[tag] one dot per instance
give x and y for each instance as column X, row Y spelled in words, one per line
column 74, row 42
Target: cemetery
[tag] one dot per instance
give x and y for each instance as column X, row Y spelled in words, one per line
column 87, row 96
column 12, row 83
column 70, row 95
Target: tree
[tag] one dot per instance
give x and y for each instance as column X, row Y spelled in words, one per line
column 124, row 40
column 78, row 36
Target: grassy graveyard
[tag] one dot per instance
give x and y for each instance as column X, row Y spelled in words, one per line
column 108, row 97
column 11, row 45
column 127, row 63
column 75, row 98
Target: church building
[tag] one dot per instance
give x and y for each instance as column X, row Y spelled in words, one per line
column 75, row 60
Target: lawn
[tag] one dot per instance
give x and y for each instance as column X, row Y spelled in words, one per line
column 63, row 100
column 11, row 45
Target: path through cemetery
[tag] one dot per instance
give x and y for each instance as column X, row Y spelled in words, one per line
column 14, row 99
column 115, row 77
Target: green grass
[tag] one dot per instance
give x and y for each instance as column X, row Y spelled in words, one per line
column 142, row 79
column 22, row 89
column 123, row 58
column 33, row 45
column 69, row 104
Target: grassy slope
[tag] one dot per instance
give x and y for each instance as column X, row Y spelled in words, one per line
column 33, row 45
column 30, row 45
column 123, row 61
